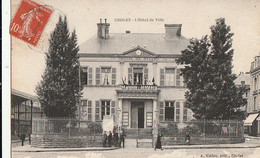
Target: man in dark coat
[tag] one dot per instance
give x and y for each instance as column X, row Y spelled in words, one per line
column 158, row 144
column 23, row 138
column 122, row 138
column 115, row 138
column 109, row 139
column 104, row 139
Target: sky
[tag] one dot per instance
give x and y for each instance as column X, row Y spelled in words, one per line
column 196, row 17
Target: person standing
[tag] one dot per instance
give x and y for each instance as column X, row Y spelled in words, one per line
column 158, row 144
column 104, row 139
column 122, row 138
column 115, row 138
column 187, row 138
column 23, row 138
column 109, row 139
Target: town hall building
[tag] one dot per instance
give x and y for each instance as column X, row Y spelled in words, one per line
column 134, row 77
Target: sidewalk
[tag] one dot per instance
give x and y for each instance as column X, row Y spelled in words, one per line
column 250, row 143
column 28, row 148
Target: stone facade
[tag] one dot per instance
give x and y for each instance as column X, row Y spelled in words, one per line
column 133, row 77
column 254, row 98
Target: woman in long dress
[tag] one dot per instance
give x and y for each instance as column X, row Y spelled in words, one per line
column 158, row 144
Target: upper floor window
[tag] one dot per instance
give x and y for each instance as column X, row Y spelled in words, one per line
column 255, row 102
column 105, row 108
column 106, row 76
column 255, row 83
column 169, row 76
column 85, row 76
column 243, row 83
column 138, row 76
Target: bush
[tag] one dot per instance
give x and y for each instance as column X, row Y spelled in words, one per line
column 95, row 127
column 169, row 130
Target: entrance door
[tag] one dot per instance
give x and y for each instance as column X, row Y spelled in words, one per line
column 134, row 118
column 141, row 117
column 137, row 114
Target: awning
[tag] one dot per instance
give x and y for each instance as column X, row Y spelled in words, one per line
column 250, row 119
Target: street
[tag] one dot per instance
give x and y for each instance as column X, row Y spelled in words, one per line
column 146, row 153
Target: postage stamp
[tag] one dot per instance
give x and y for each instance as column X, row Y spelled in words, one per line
column 29, row 21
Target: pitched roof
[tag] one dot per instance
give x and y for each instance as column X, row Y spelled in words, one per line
column 242, row 77
column 24, row 95
column 122, row 42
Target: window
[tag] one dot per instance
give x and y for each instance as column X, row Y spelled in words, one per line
column 138, row 76
column 85, row 75
column 106, row 76
column 243, row 83
column 169, row 110
column 254, row 103
column 255, row 83
column 87, row 109
column 105, row 108
column 169, row 76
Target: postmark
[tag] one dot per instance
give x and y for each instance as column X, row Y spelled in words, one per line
column 30, row 21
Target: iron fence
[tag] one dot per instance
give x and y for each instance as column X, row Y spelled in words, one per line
column 72, row 127
column 203, row 128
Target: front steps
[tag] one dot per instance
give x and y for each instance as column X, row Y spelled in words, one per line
column 139, row 133
column 138, row 138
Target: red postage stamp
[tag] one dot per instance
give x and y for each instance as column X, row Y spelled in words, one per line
column 29, row 21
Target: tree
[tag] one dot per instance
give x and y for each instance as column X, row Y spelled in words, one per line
column 59, row 87
column 208, row 73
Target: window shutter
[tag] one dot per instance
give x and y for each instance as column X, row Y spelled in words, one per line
column 177, row 111
column 113, row 76
column 161, row 112
column 162, row 76
column 89, row 110
column 97, row 115
column 185, row 114
column 90, row 76
column 113, row 108
column 178, row 78
column 97, row 75
column 145, row 75
column 130, row 74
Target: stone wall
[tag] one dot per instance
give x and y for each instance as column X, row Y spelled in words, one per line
column 65, row 141
column 200, row 140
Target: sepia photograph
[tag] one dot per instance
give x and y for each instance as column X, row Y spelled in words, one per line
column 133, row 79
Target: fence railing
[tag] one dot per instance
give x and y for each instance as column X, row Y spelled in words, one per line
column 72, row 127
column 203, row 128
column 139, row 87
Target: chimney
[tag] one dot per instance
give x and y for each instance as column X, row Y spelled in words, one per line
column 103, row 29
column 172, row 31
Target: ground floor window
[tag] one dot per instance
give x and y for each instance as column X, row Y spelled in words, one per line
column 169, row 110
column 105, row 108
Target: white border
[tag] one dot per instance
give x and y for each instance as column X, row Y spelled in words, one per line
column 6, row 78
